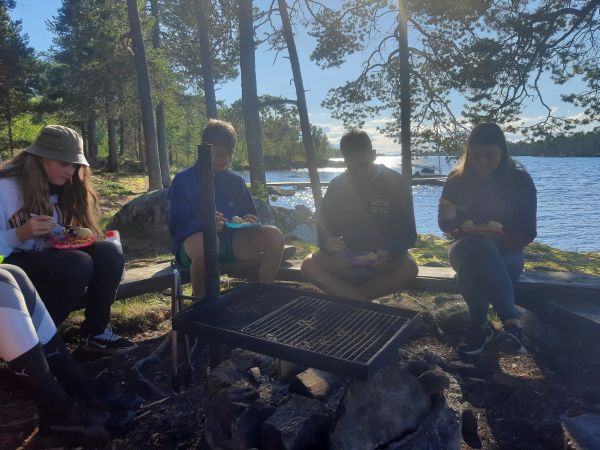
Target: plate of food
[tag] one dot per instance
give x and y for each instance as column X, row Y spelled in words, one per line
column 238, row 222
column 367, row 258
column 73, row 238
column 490, row 227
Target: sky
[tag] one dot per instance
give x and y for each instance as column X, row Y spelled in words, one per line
column 274, row 77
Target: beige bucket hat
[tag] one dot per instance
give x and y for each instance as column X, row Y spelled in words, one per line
column 58, row 142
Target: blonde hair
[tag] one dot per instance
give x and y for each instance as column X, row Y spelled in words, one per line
column 78, row 201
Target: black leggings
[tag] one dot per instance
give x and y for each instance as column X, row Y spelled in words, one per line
column 67, row 279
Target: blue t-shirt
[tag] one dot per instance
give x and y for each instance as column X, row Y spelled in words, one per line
column 232, row 198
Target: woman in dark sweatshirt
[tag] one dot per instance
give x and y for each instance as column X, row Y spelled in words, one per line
column 488, row 205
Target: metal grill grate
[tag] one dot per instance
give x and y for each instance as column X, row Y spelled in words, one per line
column 328, row 328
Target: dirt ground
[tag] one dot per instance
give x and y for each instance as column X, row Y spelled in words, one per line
column 518, row 400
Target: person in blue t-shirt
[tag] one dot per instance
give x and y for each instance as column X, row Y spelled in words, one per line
column 366, row 225
column 233, row 203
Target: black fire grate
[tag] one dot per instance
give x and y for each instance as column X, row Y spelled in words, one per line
column 348, row 337
column 328, row 328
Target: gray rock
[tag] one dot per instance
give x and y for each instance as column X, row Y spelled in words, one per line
column 255, row 373
column 434, row 381
column 246, row 428
column 288, row 219
column 273, row 391
column 145, row 216
column 304, row 232
column 583, row 431
column 315, row 383
column 224, row 408
column 264, row 212
column 299, row 423
column 377, row 412
column 224, row 375
column 452, row 319
column 246, row 359
column 440, row 429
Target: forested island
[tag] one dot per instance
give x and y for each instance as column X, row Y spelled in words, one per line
column 578, row 144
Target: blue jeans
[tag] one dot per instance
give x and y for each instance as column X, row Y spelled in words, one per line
column 485, row 275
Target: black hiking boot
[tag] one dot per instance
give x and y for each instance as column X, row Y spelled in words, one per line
column 84, row 425
column 475, row 340
column 106, row 397
column 510, row 340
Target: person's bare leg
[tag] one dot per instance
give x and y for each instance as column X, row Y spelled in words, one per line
column 324, row 271
column 265, row 242
column 397, row 275
column 194, row 247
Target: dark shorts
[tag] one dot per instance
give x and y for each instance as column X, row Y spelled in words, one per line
column 226, row 253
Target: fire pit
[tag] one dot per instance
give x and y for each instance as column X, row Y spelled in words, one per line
column 347, row 337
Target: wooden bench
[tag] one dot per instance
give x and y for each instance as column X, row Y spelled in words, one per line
column 566, row 296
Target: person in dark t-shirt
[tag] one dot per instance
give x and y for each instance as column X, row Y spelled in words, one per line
column 488, row 204
column 366, row 225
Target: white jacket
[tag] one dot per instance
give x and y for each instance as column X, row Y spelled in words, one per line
column 12, row 216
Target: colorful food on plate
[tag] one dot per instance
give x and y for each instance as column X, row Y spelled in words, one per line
column 368, row 258
column 83, row 233
column 491, row 227
column 76, row 237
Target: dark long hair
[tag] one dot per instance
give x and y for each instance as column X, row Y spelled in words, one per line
column 486, row 133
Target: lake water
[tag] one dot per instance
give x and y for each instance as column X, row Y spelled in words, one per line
column 568, row 197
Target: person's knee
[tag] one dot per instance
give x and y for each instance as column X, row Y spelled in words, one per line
column 194, row 248
column 272, row 238
column 408, row 269
column 106, row 254
column 77, row 265
column 13, row 275
column 307, row 268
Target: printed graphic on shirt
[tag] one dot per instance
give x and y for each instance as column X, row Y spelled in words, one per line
column 380, row 204
column 17, row 219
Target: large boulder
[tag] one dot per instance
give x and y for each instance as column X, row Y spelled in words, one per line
column 147, row 217
column 377, row 412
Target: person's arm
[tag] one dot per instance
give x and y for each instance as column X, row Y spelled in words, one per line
column 525, row 230
column 246, row 203
column 447, row 211
column 404, row 236
column 326, row 228
column 184, row 218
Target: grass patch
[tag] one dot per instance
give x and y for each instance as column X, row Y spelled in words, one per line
column 115, row 185
column 135, row 315
column 540, row 257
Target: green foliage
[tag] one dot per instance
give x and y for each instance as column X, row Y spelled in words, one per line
column 108, row 188
column 538, row 256
column 19, row 70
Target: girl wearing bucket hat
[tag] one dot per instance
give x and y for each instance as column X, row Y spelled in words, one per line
column 50, row 182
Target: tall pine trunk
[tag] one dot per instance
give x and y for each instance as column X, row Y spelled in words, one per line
column 210, row 98
column 404, row 91
column 91, row 135
column 144, row 92
column 309, row 148
column 160, row 109
column 121, row 137
column 113, row 161
column 11, row 144
column 83, row 129
column 250, row 98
